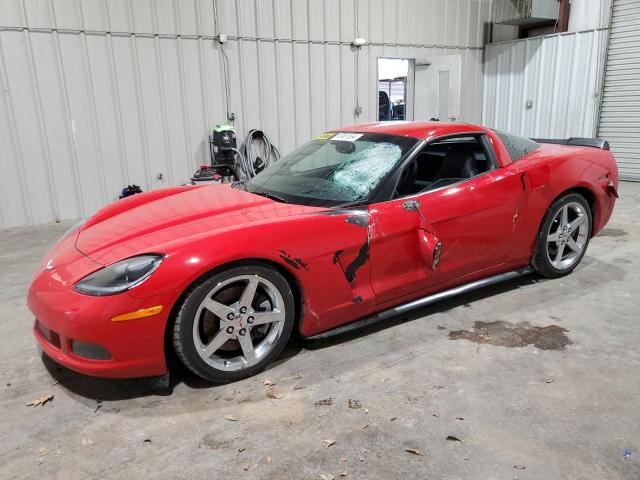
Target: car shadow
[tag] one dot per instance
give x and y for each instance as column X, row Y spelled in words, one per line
column 110, row 389
column 438, row 307
column 106, row 389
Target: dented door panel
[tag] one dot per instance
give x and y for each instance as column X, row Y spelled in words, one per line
column 396, row 259
column 476, row 221
column 473, row 223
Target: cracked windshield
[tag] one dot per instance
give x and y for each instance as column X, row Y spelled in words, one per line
column 335, row 168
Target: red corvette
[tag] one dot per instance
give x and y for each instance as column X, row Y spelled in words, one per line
column 357, row 225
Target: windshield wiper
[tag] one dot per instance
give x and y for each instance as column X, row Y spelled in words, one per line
column 349, row 204
column 271, row 196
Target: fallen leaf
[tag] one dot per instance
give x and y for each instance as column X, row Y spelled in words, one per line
column 231, row 418
column 344, row 474
column 366, row 411
column 415, row 451
column 40, row 401
column 245, row 467
column 548, row 380
column 519, row 467
column 41, row 451
column 365, row 426
column 329, row 442
column 268, row 459
column 87, row 441
column 327, row 476
column 342, row 460
column 267, row 382
column 459, row 418
column 272, row 392
column 453, row 439
column 362, row 459
column 383, row 380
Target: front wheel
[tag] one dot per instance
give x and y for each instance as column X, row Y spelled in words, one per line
column 233, row 324
column 563, row 237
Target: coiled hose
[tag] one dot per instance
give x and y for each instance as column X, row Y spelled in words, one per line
column 257, row 153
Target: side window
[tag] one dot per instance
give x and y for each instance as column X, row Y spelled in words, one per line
column 517, row 147
column 443, row 163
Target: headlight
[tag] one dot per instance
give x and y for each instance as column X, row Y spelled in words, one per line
column 120, row 276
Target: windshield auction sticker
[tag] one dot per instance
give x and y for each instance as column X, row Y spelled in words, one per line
column 346, row 137
column 325, row 136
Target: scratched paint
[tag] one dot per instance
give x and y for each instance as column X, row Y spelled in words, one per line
column 353, row 267
column 359, row 220
column 296, row 263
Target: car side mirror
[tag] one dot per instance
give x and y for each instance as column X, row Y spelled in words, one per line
column 413, row 205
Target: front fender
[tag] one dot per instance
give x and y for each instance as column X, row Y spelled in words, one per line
column 322, row 251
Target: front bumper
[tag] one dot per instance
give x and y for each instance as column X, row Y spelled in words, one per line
column 63, row 317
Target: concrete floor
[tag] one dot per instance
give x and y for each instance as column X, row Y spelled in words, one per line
column 541, row 411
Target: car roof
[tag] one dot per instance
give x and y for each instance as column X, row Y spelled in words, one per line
column 419, row 130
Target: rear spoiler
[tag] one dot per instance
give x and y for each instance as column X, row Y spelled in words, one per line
column 576, row 141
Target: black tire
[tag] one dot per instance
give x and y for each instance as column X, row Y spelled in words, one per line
column 541, row 261
column 185, row 317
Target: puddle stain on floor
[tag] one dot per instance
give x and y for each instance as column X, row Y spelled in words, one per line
column 612, row 232
column 506, row 334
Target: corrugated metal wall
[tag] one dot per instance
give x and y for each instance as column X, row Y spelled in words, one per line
column 620, row 112
column 560, row 74
column 97, row 94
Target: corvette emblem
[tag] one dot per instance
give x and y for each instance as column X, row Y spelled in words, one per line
column 50, row 265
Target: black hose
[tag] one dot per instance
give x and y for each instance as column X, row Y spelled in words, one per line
column 257, row 153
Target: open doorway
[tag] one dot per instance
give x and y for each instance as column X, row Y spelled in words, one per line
column 395, row 87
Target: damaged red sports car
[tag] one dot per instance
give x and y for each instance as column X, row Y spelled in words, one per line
column 360, row 224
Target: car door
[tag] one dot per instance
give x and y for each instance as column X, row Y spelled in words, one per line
column 422, row 240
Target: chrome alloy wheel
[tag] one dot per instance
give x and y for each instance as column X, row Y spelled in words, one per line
column 239, row 322
column 567, row 236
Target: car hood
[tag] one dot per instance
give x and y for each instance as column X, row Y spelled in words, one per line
column 159, row 220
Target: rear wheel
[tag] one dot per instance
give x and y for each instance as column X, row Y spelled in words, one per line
column 233, row 324
column 563, row 237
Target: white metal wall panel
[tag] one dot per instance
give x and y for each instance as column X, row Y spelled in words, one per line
column 560, row 75
column 620, row 112
column 98, row 94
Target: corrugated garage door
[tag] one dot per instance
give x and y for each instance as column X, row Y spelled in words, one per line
column 620, row 113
